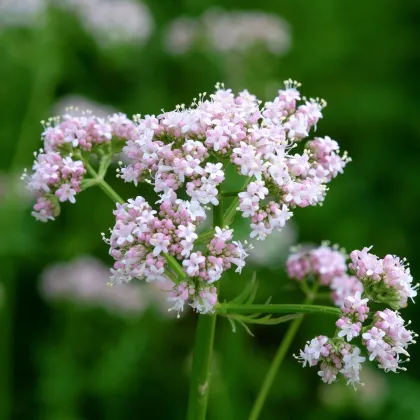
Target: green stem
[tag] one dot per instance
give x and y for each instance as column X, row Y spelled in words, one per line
column 218, row 215
column 174, row 264
column 275, row 365
column 231, row 210
column 234, row 308
column 283, row 349
column 203, row 349
column 200, row 378
column 227, row 194
column 106, row 188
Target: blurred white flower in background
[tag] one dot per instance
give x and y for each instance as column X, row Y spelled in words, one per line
column 274, row 250
column 114, row 22
column 110, row 22
column 21, row 12
column 84, row 281
column 227, row 32
column 181, row 34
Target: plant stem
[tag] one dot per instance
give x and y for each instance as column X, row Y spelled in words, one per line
column 218, row 215
column 282, row 351
column 231, row 210
column 227, row 194
column 174, row 264
column 233, row 308
column 201, row 370
column 106, row 188
column 203, row 349
column 275, row 365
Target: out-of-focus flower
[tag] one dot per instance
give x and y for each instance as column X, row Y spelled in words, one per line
column 114, row 22
column 84, row 280
column 273, row 251
column 181, row 35
column 228, row 32
column 21, row 12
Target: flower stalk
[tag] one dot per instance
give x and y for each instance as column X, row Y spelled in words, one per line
column 230, row 308
column 284, row 348
column 104, row 186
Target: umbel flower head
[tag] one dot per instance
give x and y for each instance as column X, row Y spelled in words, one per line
column 60, row 166
column 183, row 154
column 383, row 334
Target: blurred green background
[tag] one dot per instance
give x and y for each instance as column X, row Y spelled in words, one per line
column 68, row 360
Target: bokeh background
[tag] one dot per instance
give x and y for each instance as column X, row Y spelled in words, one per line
column 70, row 350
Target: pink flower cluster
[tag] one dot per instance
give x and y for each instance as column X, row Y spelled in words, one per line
column 355, row 311
column 202, row 299
column 388, row 277
column 386, row 338
column 325, row 264
column 178, row 148
column 54, row 177
column 86, row 131
column 333, row 358
column 57, row 175
column 142, row 237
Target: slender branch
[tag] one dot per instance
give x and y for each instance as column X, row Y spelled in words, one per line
column 218, row 215
column 174, row 264
column 227, row 194
column 275, row 365
column 108, row 190
column 204, row 237
column 284, row 347
column 231, row 210
column 233, row 308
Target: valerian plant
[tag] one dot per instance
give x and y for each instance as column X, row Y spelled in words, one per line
column 184, row 154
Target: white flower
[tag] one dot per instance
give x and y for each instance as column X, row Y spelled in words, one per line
column 160, row 242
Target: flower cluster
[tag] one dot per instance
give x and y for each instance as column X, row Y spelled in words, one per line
column 184, row 152
column 178, row 148
column 388, row 339
column 142, row 238
column 327, row 265
column 389, row 278
column 228, row 32
column 385, row 337
column 59, row 167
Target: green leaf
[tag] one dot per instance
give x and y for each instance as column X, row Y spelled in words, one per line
column 248, row 290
